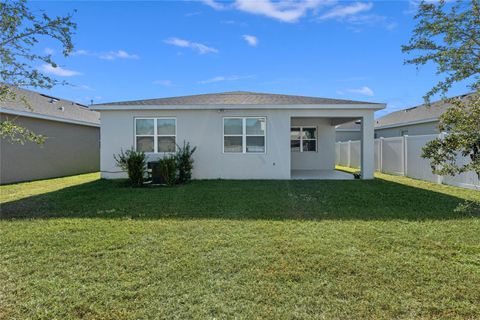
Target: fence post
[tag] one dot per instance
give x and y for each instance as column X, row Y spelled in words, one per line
column 349, row 153
column 381, row 154
column 439, row 177
column 405, row 156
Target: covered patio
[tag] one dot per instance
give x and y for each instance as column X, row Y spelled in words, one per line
column 312, row 147
column 320, row 175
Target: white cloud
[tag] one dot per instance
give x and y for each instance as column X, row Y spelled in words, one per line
column 83, row 87
column 110, row 55
column 120, row 54
column 345, row 11
column 366, row 91
column 80, row 52
column 251, row 40
column 371, row 20
column 213, row 4
column 286, row 11
column 355, row 15
column 166, row 83
column 224, row 78
column 292, row 10
column 58, row 71
column 199, row 47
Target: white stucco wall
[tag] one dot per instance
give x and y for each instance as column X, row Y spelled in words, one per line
column 203, row 128
column 324, row 157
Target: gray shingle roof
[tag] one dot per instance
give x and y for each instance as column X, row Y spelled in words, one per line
column 418, row 113
column 41, row 104
column 236, row 98
column 352, row 125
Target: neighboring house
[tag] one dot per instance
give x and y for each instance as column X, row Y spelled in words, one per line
column 349, row 131
column 419, row 120
column 72, row 134
column 239, row 135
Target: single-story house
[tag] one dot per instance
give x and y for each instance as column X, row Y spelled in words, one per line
column 419, row 120
column 72, row 132
column 238, row 135
column 349, row 131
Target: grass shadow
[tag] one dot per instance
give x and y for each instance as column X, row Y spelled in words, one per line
column 377, row 199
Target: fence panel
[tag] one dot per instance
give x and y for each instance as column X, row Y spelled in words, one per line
column 378, row 156
column 392, row 155
column 418, row 167
column 465, row 180
column 402, row 156
column 355, row 151
column 343, row 161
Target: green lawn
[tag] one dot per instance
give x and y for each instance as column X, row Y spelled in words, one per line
column 80, row 247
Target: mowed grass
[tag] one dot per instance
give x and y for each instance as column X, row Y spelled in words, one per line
column 80, row 247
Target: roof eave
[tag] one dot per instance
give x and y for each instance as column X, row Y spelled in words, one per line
column 370, row 106
column 48, row 117
column 406, row 123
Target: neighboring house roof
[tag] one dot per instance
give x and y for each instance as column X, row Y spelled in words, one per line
column 236, row 98
column 419, row 114
column 47, row 107
column 350, row 126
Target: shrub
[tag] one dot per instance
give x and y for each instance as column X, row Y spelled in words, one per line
column 168, row 170
column 184, row 162
column 134, row 163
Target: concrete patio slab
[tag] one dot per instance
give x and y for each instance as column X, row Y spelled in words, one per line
column 320, row 175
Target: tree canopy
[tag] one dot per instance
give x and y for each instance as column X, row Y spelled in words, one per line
column 448, row 35
column 21, row 30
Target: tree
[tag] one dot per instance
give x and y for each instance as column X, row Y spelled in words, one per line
column 462, row 122
column 20, row 32
column 449, row 36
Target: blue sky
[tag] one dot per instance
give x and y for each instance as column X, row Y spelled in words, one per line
column 339, row 49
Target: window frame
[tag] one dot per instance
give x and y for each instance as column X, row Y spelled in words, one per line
column 155, row 134
column 244, row 134
column 302, row 139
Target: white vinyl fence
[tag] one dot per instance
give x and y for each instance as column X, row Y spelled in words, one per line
column 402, row 156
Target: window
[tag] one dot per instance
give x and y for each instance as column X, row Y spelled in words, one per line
column 155, row 135
column 303, row 139
column 244, row 135
column 404, row 133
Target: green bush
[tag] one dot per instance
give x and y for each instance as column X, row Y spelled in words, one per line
column 134, row 163
column 184, row 161
column 168, row 170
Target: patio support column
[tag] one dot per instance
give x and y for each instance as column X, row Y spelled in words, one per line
column 368, row 143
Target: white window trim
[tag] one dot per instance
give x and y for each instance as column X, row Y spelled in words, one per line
column 155, row 133
column 244, row 135
column 301, row 138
